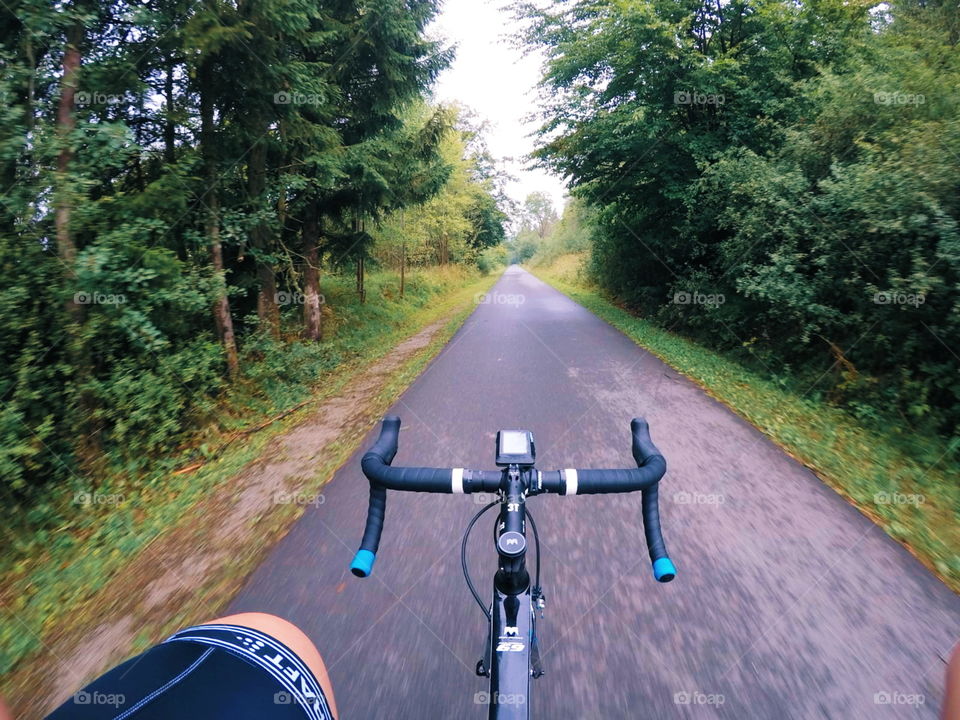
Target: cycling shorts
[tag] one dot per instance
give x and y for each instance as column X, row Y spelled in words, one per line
column 214, row 672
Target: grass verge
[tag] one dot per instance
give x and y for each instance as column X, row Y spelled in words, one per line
column 916, row 502
column 61, row 578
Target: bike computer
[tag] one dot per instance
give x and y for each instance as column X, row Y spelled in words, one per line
column 515, row 447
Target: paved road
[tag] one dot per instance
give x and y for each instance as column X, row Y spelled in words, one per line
column 788, row 602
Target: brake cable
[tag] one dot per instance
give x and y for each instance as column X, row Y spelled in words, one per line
column 463, row 556
column 537, row 592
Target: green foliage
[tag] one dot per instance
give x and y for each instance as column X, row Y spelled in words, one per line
column 777, row 179
column 537, row 223
column 524, row 246
column 492, row 258
column 538, row 214
column 160, row 221
column 571, row 234
column 458, row 221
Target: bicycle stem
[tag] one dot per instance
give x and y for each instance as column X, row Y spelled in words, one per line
column 512, row 577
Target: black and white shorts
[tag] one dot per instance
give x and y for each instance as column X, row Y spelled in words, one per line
column 206, row 671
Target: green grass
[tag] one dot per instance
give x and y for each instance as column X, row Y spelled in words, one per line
column 867, row 465
column 49, row 572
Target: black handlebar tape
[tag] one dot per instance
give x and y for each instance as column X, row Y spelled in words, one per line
column 642, row 446
column 593, row 482
column 384, row 450
column 376, row 467
column 386, row 445
column 376, row 511
column 415, row 479
column 651, row 466
column 646, row 453
column 651, row 524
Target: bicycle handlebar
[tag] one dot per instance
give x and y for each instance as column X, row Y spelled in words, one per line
column 375, row 464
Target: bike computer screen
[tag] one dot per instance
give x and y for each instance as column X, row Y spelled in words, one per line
column 515, row 447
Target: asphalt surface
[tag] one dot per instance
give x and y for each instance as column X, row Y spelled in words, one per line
column 788, row 602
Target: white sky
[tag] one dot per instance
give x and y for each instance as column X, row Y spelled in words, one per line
column 498, row 82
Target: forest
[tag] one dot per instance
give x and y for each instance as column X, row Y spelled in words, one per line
column 777, row 180
column 179, row 181
column 233, row 233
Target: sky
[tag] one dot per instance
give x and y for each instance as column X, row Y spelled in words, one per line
column 498, row 82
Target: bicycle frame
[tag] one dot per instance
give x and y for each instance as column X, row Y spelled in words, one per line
column 512, row 623
column 511, row 639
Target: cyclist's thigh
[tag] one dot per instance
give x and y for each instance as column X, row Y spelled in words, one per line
column 291, row 636
column 241, row 667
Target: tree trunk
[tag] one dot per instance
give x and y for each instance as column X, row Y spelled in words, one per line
column 31, row 85
column 66, row 124
column 361, row 290
column 403, row 266
column 310, row 234
column 89, row 431
column 256, row 125
column 221, row 304
column 267, row 308
column 358, row 228
column 169, row 128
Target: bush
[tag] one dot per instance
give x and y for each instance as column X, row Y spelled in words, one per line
column 492, row 258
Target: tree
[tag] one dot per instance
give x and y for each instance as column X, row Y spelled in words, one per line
column 378, row 60
column 168, row 169
column 538, row 214
column 205, row 75
column 792, row 158
column 454, row 192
